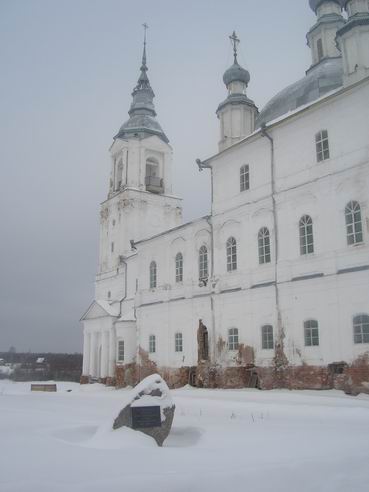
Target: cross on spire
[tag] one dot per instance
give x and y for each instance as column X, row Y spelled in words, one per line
column 235, row 42
column 145, row 26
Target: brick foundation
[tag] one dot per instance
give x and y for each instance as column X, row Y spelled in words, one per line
column 351, row 378
column 84, row 380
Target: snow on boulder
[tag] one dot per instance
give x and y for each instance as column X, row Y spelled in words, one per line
column 150, row 411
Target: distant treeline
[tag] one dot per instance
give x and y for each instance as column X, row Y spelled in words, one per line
column 42, row 366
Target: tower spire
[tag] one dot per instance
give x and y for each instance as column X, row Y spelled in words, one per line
column 142, row 111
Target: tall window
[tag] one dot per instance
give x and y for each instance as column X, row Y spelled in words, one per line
column 319, row 45
column 267, row 341
column 322, row 146
column 121, row 350
column 264, row 245
column 306, row 235
column 244, row 178
column 361, row 328
column 178, row 342
column 233, row 339
column 152, row 344
column 179, row 267
column 203, row 263
column 153, row 272
column 231, row 254
column 311, row 333
column 354, row 226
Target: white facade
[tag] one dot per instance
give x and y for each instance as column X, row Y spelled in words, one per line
column 270, row 298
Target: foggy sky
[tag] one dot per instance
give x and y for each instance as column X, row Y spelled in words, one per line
column 67, row 72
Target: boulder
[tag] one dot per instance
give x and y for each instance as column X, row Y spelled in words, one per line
column 150, row 411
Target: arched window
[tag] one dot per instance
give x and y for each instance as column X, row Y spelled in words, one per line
column 153, row 181
column 244, row 178
column 152, row 344
column 264, row 245
column 233, row 339
column 231, row 247
column 361, row 328
column 178, row 342
column 267, row 340
column 153, row 272
column 179, row 267
column 322, row 145
column 354, row 226
column 311, row 333
column 203, row 263
column 306, row 235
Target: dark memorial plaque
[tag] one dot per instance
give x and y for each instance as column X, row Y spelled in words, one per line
column 145, row 417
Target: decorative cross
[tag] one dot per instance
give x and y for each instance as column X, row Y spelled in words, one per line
column 235, row 41
column 145, row 26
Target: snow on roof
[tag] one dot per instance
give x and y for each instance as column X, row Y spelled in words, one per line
column 109, row 308
column 40, row 360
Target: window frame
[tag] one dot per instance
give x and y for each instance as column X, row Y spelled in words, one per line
column 203, row 263
column 311, row 333
column 322, row 146
column 244, row 177
column 153, row 278
column 120, row 351
column 264, row 249
column 267, row 337
column 306, row 233
column 152, row 344
column 354, row 223
column 178, row 342
column 231, row 253
column 361, row 321
column 233, row 339
column 179, row 267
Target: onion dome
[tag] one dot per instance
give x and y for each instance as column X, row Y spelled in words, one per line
column 236, row 73
column 315, row 4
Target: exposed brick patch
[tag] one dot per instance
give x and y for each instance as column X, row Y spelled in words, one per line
column 245, row 355
column 147, row 366
column 126, row 375
column 110, row 382
column 221, row 345
column 202, row 343
column 84, row 380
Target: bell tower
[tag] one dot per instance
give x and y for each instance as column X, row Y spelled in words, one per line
column 140, row 202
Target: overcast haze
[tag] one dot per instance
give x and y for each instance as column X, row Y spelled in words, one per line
column 67, row 72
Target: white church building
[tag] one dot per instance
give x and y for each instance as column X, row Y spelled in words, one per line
column 272, row 288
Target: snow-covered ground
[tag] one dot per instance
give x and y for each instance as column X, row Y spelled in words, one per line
column 221, row 440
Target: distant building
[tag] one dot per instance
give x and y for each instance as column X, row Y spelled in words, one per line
column 272, row 288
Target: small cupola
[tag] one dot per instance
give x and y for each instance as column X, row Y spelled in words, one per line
column 321, row 38
column 353, row 41
column 236, row 113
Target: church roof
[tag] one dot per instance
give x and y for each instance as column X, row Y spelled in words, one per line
column 319, row 80
column 142, row 122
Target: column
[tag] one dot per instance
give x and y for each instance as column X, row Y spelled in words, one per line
column 93, row 355
column 104, row 354
column 112, row 352
column 86, row 354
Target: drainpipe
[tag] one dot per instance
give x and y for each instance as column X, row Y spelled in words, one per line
column 265, row 133
column 209, row 220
